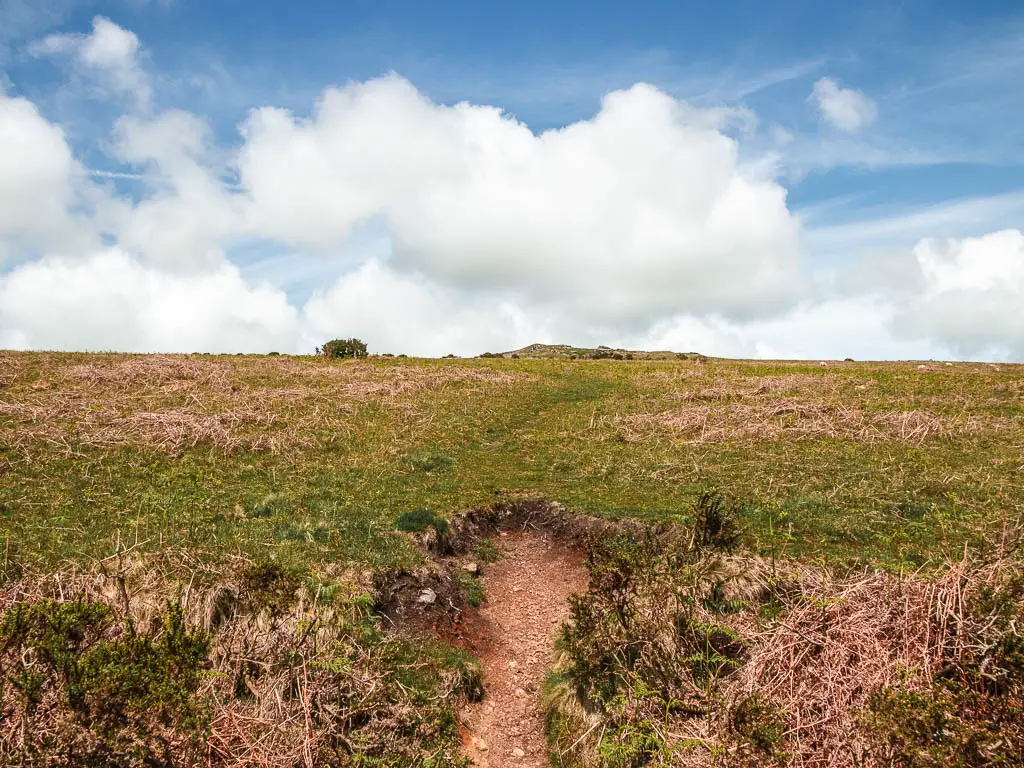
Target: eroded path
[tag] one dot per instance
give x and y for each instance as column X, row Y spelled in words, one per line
column 527, row 592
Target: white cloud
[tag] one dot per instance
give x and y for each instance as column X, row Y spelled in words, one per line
column 37, row 181
column 636, row 213
column 111, row 301
column 844, row 108
column 401, row 313
column 110, row 54
column 188, row 212
column 973, row 291
column 830, row 328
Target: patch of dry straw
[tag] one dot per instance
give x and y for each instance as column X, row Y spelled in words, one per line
column 173, row 402
column 791, row 419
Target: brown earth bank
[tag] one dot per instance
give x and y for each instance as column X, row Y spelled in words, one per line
column 527, row 601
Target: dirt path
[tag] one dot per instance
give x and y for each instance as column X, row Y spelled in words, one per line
column 526, row 602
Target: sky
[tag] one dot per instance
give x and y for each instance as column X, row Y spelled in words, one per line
column 782, row 180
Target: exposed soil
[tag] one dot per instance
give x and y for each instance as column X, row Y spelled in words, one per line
column 527, row 592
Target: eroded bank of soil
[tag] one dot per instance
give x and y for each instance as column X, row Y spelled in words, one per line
column 527, row 599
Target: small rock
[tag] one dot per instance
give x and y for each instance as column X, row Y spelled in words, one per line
column 520, row 693
column 471, row 568
column 480, row 744
column 427, row 597
column 517, row 753
column 513, row 664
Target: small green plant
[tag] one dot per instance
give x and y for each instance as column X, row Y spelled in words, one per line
column 271, row 586
column 629, row 746
column 431, row 462
column 472, row 589
column 760, row 724
column 486, row 552
column 716, row 521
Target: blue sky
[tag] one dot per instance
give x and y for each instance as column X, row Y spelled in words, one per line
column 935, row 148
column 946, row 74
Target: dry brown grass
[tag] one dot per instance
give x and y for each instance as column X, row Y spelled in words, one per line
column 832, row 641
column 841, row 641
column 289, row 683
column 174, row 402
column 790, row 419
column 843, row 638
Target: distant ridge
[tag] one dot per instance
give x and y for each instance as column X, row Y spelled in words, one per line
column 566, row 352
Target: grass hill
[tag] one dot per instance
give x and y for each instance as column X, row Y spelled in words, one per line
column 220, row 559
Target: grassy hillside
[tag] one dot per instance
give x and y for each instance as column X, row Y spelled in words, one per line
column 312, row 460
column 198, row 554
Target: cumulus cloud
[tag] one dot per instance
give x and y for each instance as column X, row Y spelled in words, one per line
column 402, row 313
column 109, row 54
column 973, row 291
column 37, row 181
column 188, row 212
column 641, row 211
column 847, row 109
column 112, row 301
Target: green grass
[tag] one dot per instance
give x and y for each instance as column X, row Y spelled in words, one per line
column 349, row 459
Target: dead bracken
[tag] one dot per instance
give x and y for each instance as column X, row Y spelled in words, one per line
column 793, row 419
column 174, row 402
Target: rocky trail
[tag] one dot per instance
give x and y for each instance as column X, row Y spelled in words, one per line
column 527, row 600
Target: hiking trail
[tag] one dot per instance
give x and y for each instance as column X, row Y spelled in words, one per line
column 527, row 600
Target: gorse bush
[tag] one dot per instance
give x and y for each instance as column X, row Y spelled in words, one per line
column 342, row 348
column 95, row 692
column 647, row 647
column 282, row 682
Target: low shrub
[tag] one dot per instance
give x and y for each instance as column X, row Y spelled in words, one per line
column 647, row 648
column 471, row 589
column 486, row 552
column 338, row 348
column 716, row 521
column 90, row 691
